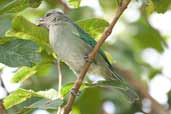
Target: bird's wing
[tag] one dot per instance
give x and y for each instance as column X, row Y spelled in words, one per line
column 89, row 40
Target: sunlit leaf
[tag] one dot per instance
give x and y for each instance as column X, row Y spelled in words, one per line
column 14, row 6
column 22, row 95
column 23, row 73
column 17, row 97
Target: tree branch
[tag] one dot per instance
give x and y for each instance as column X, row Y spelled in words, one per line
column 66, row 7
column 92, row 55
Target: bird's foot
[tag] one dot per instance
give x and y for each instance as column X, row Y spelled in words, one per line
column 74, row 93
column 88, row 60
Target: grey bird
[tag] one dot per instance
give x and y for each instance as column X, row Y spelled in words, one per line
column 72, row 45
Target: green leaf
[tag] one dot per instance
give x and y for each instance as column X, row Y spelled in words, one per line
column 146, row 36
column 23, row 73
column 47, row 104
column 161, row 6
column 22, row 95
column 93, row 26
column 18, row 97
column 24, row 29
column 14, row 6
column 109, row 5
column 18, row 52
column 5, row 24
column 74, row 3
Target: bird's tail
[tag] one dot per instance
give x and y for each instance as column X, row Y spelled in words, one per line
column 128, row 91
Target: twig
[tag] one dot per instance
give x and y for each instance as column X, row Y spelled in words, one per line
column 59, row 83
column 2, row 108
column 66, row 7
column 92, row 55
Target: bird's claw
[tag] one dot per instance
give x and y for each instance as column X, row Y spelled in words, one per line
column 87, row 59
column 74, row 93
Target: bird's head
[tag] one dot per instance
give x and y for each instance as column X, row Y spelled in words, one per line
column 53, row 17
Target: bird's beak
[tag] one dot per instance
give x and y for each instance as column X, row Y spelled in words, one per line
column 41, row 22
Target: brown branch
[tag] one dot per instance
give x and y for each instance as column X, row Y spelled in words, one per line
column 2, row 109
column 156, row 108
column 92, row 55
column 66, row 7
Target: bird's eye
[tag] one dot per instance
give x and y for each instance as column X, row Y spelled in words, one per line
column 47, row 15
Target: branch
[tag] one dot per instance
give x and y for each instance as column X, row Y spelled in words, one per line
column 92, row 55
column 2, row 108
column 59, row 83
column 66, row 7
column 156, row 108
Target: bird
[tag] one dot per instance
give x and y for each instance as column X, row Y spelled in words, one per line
column 72, row 45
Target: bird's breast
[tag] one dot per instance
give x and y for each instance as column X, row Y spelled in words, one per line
column 69, row 47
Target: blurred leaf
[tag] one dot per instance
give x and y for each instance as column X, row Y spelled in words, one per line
column 47, row 104
column 154, row 72
column 22, row 28
column 81, row 13
column 109, row 5
column 17, row 52
column 161, row 6
column 147, row 37
column 23, row 73
column 148, row 6
column 17, row 97
column 5, row 24
column 93, row 26
column 15, row 6
column 74, row 3
column 34, row 3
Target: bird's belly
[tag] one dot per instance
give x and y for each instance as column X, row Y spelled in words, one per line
column 73, row 54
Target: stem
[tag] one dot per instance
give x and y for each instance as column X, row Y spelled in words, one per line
column 92, row 55
column 2, row 108
column 59, row 83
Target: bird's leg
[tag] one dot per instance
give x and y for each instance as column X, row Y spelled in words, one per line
column 88, row 60
column 73, row 92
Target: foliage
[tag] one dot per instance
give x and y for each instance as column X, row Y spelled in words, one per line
column 25, row 45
